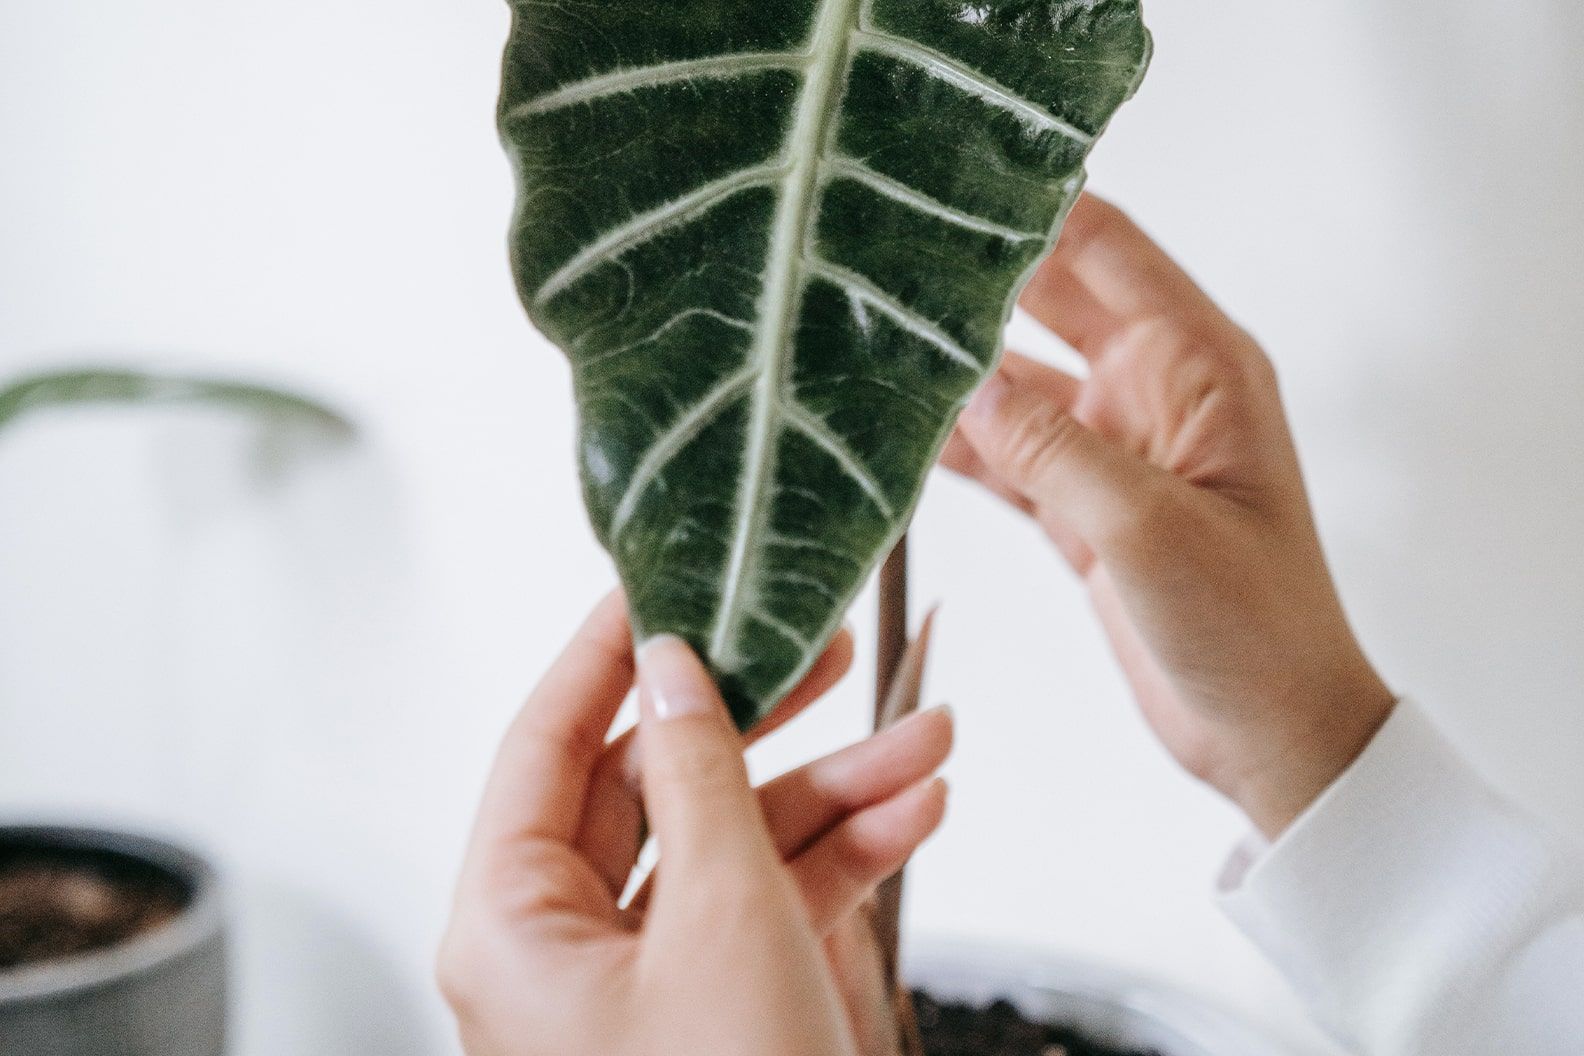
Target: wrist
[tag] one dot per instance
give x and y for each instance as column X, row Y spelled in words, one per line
column 1314, row 740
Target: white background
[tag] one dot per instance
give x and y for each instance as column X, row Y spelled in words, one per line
column 301, row 655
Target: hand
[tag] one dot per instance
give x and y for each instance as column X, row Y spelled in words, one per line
column 751, row 936
column 1169, row 481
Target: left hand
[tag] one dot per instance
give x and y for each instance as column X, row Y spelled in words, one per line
column 754, row 935
column 1169, row 480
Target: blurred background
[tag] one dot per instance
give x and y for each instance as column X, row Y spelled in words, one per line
column 299, row 654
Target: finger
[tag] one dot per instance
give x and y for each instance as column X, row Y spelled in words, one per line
column 612, row 831
column 1075, row 480
column 543, row 768
column 695, row 783
column 613, row 819
column 844, row 867
column 804, row 804
column 1061, row 389
column 860, row 973
column 961, row 458
column 1106, row 276
column 1053, row 384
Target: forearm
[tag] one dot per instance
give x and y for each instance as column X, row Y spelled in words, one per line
column 1417, row 912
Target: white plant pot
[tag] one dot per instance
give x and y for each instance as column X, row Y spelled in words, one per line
column 1110, row 1006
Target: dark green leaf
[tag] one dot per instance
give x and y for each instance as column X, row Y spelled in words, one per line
column 778, row 240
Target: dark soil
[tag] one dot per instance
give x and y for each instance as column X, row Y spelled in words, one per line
column 55, row 902
column 1000, row 1030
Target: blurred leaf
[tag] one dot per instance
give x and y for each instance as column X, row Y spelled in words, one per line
column 143, row 387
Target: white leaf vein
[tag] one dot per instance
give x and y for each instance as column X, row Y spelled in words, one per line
column 670, row 443
column 855, row 285
column 647, row 225
column 807, row 141
column 781, row 627
column 793, row 578
column 945, row 68
column 817, row 430
column 792, row 542
column 896, row 190
column 664, row 328
column 618, row 82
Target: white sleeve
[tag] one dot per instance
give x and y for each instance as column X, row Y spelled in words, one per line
column 1418, row 913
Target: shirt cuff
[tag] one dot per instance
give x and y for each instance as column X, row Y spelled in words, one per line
column 1395, row 892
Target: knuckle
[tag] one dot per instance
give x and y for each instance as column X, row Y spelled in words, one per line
column 453, row 972
column 1194, row 340
column 701, row 765
column 1235, row 348
column 1261, row 366
column 1232, row 353
column 1093, row 221
column 1155, row 339
column 1209, row 342
column 1037, row 442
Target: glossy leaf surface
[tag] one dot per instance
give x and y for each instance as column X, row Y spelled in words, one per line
column 778, row 241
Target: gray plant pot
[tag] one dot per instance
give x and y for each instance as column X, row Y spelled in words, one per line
column 159, row 994
column 1112, row 1007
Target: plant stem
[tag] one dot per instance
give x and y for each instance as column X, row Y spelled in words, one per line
column 891, row 648
column 891, row 635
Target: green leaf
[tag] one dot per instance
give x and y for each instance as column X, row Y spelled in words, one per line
column 779, row 240
column 115, row 385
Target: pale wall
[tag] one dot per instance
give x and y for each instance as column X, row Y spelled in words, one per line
column 302, row 658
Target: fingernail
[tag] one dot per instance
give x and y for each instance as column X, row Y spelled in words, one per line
column 671, row 682
column 938, row 709
column 989, row 398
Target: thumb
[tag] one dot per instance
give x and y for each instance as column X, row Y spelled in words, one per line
column 696, row 791
column 1069, row 474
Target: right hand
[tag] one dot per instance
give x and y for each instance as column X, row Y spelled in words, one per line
column 754, row 934
column 1169, row 481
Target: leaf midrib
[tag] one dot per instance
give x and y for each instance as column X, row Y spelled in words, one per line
column 806, row 145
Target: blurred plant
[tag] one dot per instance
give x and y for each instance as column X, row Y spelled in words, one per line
column 121, row 385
